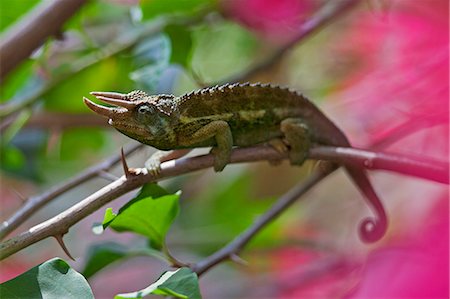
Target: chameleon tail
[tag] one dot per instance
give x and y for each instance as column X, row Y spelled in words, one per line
column 371, row 229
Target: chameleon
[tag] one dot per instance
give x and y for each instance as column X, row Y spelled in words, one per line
column 233, row 115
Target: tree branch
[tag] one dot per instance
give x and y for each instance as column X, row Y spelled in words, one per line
column 27, row 35
column 61, row 223
column 34, row 203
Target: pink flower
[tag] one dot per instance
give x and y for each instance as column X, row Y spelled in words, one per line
column 277, row 20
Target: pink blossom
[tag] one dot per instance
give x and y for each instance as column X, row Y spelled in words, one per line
column 277, row 20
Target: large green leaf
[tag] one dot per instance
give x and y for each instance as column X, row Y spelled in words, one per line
column 149, row 214
column 52, row 279
column 101, row 255
column 182, row 283
column 154, row 8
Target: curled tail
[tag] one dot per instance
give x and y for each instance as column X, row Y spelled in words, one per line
column 371, row 229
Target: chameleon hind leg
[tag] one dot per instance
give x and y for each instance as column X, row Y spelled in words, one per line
column 221, row 132
column 296, row 133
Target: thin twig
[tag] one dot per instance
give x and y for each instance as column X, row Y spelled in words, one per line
column 32, row 30
column 34, row 203
column 325, row 16
column 62, row 222
column 284, row 202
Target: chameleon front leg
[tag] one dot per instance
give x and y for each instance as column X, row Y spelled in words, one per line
column 153, row 164
column 296, row 133
column 221, row 132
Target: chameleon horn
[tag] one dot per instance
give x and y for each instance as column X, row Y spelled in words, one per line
column 116, row 102
column 105, row 111
column 111, row 95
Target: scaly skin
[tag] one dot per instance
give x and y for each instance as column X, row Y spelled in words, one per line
column 233, row 115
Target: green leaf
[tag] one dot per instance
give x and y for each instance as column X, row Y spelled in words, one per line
column 222, row 50
column 154, row 8
column 79, row 143
column 149, row 214
column 151, row 59
column 12, row 158
column 11, row 11
column 52, row 279
column 182, row 283
column 16, row 80
column 101, row 255
column 107, row 74
column 181, row 44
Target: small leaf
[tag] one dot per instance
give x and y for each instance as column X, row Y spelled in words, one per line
column 52, row 279
column 182, row 283
column 181, row 44
column 149, row 214
column 102, row 255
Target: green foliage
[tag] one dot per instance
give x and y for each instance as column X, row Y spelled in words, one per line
column 16, row 80
column 67, row 96
column 149, row 214
column 154, row 8
column 181, row 44
column 71, row 140
column 52, row 279
column 101, row 255
column 151, row 59
column 229, row 207
column 11, row 11
column 181, row 283
column 222, row 50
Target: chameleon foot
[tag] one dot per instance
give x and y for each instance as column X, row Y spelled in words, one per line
column 297, row 136
column 221, row 158
column 153, row 166
column 280, row 146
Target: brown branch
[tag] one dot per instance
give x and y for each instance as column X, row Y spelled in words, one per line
column 35, row 203
column 325, row 16
column 33, row 29
column 62, row 222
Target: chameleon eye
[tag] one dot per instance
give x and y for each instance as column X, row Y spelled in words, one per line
column 144, row 109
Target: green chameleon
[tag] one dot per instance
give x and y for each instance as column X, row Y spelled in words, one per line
column 232, row 115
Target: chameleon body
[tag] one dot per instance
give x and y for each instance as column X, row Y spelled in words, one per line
column 233, row 115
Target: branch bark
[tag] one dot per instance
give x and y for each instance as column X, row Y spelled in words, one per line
column 59, row 225
column 27, row 35
column 34, row 203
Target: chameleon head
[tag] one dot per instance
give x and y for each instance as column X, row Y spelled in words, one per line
column 135, row 114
